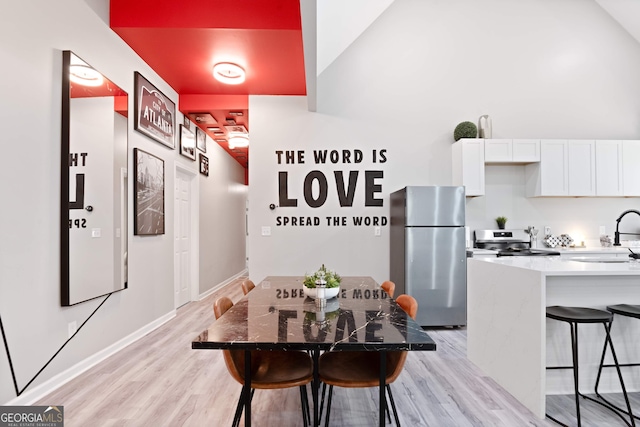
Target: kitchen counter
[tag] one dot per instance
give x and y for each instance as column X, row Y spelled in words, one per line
column 510, row 339
column 559, row 266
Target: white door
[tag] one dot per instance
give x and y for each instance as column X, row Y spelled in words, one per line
column 182, row 244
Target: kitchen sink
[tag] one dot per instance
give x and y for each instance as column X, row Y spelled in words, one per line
column 601, row 260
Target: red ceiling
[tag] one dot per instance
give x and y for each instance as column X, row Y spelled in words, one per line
column 182, row 40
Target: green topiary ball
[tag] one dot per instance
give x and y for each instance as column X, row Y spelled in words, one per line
column 465, row 130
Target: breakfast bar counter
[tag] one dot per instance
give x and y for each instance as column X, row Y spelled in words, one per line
column 510, row 339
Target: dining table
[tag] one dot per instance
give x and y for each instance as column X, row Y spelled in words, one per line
column 278, row 315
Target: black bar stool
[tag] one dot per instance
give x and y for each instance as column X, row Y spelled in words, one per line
column 622, row 310
column 574, row 316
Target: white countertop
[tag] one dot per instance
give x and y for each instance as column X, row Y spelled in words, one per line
column 597, row 250
column 557, row 266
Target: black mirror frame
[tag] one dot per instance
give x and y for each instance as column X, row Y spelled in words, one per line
column 65, row 150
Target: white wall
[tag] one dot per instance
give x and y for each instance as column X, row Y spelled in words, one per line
column 222, row 235
column 539, row 69
column 33, row 36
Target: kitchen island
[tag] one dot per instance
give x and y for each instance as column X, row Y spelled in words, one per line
column 510, row 339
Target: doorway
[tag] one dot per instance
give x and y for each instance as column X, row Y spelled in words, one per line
column 185, row 237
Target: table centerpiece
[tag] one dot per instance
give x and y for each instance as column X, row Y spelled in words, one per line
column 323, row 275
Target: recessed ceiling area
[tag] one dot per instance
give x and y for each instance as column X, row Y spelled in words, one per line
column 183, row 40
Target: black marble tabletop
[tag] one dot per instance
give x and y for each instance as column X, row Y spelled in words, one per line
column 277, row 315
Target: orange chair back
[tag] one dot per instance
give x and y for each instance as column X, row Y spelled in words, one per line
column 234, row 359
column 396, row 359
column 408, row 304
column 247, row 286
column 389, row 287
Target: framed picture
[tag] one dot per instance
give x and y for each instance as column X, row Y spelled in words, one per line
column 201, row 140
column 148, row 206
column 186, row 122
column 154, row 113
column 204, row 165
column 187, row 143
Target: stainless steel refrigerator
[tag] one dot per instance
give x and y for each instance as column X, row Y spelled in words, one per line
column 428, row 252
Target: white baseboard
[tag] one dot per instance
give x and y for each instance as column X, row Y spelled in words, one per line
column 221, row 284
column 37, row 393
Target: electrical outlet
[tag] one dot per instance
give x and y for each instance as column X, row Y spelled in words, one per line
column 603, row 230
column 376, row 231
column 547, row 230
column 73, row 328
column 266, row 231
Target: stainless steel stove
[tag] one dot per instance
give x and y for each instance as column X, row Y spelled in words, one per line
column 509, row 243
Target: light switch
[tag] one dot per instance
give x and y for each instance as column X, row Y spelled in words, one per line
column 95, row 232
column 376, row 231
column 266, row 231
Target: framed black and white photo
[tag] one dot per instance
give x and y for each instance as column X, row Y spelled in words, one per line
column 187, row 143
column 148, row 206
column 154, row 113
column 186, row 121
column 201, row 140
column 204, row 165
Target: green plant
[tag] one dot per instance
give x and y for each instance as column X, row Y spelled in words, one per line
column 331, row 277
column 501, row 221
column 465, row 130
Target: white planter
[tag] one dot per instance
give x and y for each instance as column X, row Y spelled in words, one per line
column 329, row 292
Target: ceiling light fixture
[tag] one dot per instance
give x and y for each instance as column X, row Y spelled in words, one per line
column 238, row 142
column 84, row 75
column 228, row 73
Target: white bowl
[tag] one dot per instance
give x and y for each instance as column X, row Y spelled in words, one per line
column 329, row 292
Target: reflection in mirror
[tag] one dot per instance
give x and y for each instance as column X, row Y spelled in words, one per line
column 94, row 183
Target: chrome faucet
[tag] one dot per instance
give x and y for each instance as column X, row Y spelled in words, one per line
column 616, row 239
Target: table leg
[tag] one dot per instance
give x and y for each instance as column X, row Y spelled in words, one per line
column 315, row 388
column 383, row 378
column 247, row 388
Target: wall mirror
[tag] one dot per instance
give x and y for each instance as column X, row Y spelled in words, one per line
column 93, row 183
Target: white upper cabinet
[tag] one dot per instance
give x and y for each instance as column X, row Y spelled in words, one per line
column 498, row 150
column 526, row 150
column 467, row 166
column 609, row 172
column 511, row 150
column 565, row 168
column 549, row 177
column 631, row 168
column 581, row 157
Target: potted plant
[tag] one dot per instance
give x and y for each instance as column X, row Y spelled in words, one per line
column 501, row 221
column 465, row 130
column 331, row 278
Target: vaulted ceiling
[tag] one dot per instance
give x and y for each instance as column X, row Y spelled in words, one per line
column 182, row 41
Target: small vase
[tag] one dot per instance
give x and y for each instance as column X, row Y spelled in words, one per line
column 501, row 225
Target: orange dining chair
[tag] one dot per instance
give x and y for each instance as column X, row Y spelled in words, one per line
column 389, row 287
column 357, row 369
column 269, row 369
column 247, row 286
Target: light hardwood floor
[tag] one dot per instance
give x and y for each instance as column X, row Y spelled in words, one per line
column 160, row 381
